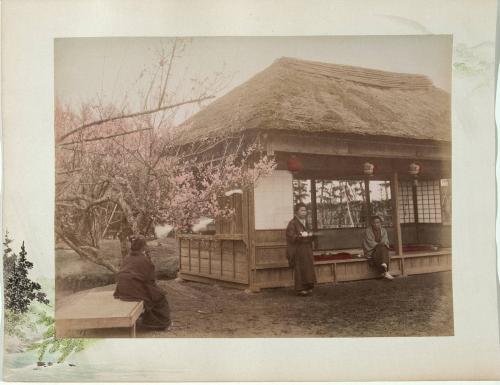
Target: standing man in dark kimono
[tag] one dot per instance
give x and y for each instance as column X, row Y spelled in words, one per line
column 299, row 251
column 376, row 246
column 136, row 282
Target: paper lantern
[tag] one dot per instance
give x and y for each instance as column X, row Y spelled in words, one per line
column 294, row 164
column 414, row 169
column 368, row 168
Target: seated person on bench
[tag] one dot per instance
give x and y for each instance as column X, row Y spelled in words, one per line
column 376, row 246
column 136, row 282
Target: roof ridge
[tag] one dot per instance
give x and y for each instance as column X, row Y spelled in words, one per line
column 369, row 76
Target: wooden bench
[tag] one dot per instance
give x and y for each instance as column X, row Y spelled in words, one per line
column 95, row 310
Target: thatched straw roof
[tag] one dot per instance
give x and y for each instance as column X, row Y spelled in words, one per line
column 313, row 97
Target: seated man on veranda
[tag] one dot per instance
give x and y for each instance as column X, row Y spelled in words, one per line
column 136, row 282
column 376, row 246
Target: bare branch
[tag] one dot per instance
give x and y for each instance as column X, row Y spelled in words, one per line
column 132, row 153
column 169, row 69
column 69, row 171
column 133, row 115
column 105, row 137
column 146, row 97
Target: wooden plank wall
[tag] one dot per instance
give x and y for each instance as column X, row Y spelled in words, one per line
column 271, row 263
column 428, row 263
column 270, row 247
column 235, row 224
column 221, row 259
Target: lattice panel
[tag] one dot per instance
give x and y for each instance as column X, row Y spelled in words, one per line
column 429, row 201
column 405, row 200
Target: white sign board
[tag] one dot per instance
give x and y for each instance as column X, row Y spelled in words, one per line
column 273, row 197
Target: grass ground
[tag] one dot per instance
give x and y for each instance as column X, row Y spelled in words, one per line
column 419, row 305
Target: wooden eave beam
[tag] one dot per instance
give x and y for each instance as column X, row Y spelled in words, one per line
column 371, row 147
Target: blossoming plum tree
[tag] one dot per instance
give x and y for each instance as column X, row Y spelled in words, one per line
column 127, row 169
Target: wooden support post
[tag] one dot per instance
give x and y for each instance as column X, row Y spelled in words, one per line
column 245, row 230
column 234, row 260
column 368, row 210
column 199, row 256
column 395, row 214
column 180, row 254
column 221, row 256
column 232, row 222
column 244, row 216
column 251, row 241
column 314, row 212
column 189, row 254
column 415, row 209
column 210, row 257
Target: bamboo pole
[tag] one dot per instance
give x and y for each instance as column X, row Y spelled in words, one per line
column 109, row 221
column 347, row 203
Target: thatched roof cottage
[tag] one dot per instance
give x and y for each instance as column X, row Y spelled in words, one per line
column 349, row 142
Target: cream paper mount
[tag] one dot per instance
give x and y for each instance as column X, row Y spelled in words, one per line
column 352, row 109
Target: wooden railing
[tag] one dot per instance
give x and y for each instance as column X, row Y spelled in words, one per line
column 225, row 237
column 220, row 256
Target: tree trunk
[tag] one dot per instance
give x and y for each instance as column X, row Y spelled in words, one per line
column 123, row 244
column 125, row 231
column 89, row 253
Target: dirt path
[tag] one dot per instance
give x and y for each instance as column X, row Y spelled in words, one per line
column 414, row 306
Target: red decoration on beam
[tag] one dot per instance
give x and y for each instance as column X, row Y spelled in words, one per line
column 294, row 164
